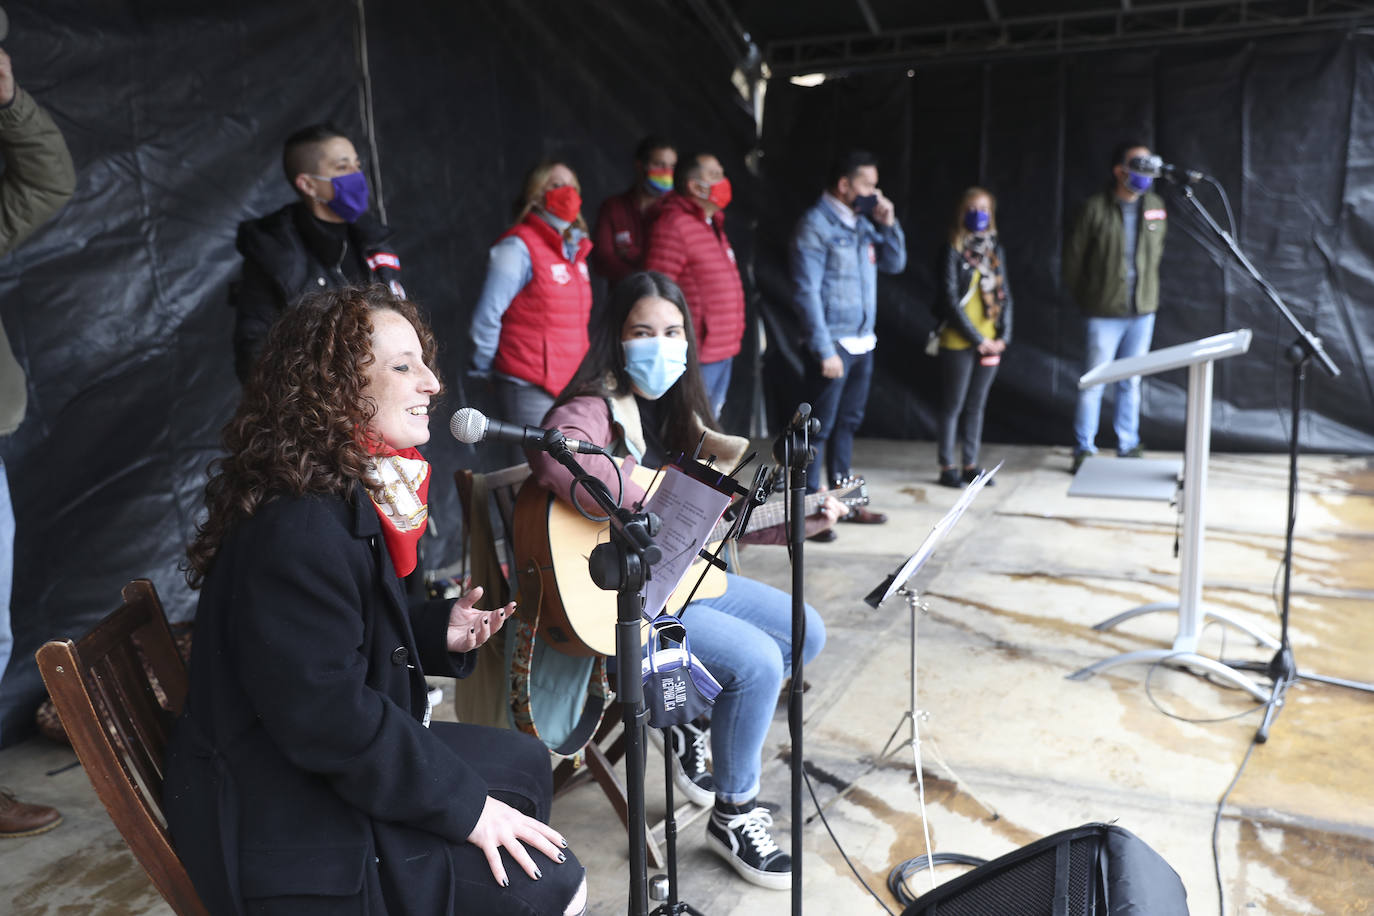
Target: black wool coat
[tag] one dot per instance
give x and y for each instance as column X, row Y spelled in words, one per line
column 287, row 254
column 301, row 778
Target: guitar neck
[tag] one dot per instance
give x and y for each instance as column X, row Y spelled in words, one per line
column 764, row 516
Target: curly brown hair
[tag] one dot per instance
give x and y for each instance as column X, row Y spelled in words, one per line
column 297, row 428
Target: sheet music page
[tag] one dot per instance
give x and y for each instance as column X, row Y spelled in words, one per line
column 689, row 510
column 942, row 527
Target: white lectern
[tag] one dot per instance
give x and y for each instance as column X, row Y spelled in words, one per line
column 1198, row 357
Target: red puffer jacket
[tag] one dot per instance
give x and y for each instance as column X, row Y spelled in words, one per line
column 697, row 256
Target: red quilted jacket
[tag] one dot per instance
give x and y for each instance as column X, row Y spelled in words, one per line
column 697, row 256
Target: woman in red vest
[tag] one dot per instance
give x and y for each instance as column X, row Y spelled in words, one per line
column 529, row 329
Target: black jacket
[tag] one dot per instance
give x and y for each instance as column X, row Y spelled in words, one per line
column 301, row 759
column 957, row 283
column 287, row 254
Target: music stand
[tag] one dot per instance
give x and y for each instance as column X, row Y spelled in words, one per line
column 896, row 584
column 1197, row 356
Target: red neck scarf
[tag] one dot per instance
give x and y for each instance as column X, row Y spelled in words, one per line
column 404, row 506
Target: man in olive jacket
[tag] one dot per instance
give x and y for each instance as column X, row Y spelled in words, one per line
column 1111, row 266
column 38, row 179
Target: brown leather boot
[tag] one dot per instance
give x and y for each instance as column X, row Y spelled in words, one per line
column 20, row 819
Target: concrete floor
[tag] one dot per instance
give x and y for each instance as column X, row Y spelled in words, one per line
column 1013, row 751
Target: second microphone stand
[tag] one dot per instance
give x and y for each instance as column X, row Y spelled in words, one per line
column 1306, row 348
column 793, row 451
column 622, row 565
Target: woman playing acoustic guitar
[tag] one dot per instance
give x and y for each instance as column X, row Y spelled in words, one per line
column 639, row 393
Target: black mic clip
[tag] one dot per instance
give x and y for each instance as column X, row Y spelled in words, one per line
column 795, row 440
column 1178, row 175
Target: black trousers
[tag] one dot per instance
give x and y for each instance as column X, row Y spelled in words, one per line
column 516, row 768
column 964, row 386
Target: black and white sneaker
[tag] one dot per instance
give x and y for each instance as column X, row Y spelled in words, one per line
column 740, row 835
column 691, row 753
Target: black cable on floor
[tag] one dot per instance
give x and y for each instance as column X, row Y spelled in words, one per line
column 834, row 839
column 896, row 879
column 1216, row 827
column 1149, row 676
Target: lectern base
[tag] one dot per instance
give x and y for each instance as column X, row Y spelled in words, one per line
column 1259, row 636
column 1183, row 654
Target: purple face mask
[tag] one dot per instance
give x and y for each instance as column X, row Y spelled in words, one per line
column 350, row 195
column 1137, row 182
column 977, row 220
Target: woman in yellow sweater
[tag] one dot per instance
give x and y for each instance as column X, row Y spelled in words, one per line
column 976, row 311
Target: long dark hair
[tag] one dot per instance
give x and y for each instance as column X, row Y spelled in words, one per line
column 298, row 428
column 685, row 409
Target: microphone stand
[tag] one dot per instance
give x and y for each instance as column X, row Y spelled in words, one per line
column 672, row 905
column 793, row 451
column 1282, row 669
column 623, row 565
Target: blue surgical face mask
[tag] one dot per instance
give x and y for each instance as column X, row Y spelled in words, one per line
column 1137, row 182
column 654, row 364
column 350, row 195
column 977, row 220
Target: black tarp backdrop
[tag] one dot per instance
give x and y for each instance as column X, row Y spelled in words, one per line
column 175, row 113
column 1285, row 124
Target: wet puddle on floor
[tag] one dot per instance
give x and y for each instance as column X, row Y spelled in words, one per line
column 908, row 834
column 92, row 882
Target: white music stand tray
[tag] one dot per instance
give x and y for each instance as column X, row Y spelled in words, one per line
column 1198, row 357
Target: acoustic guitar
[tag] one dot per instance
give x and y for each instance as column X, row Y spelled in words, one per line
column 553, row 541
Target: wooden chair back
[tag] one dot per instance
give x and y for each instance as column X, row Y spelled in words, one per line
column 119, row 728
column 493, row 546
column 496, row 546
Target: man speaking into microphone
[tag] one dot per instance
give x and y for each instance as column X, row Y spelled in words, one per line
column 1111, row 267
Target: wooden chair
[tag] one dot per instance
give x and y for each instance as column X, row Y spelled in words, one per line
column 494, row 543
column 119, row 729
column 493, row 548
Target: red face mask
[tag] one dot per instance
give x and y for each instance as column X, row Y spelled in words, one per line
column 720, row 194
column 564, row 202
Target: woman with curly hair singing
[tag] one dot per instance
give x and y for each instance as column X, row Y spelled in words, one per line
column 304, row 775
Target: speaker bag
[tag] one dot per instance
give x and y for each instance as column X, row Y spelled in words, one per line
column 1093, row 870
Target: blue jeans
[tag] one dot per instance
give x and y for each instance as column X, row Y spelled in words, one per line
column 838, row 403
column 1109, row 339
column 6, row 568
column 744, row 638
column 716, row 378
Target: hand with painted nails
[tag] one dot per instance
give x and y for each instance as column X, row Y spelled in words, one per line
column 501, row 825
column 469, row 627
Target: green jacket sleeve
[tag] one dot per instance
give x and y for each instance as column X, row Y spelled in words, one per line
column 39, row 177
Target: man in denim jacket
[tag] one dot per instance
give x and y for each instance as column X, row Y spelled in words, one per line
column 841, row 243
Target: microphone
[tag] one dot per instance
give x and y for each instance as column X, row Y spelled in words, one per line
column 1156, row 167
column 470, row 426
column 802, row 418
